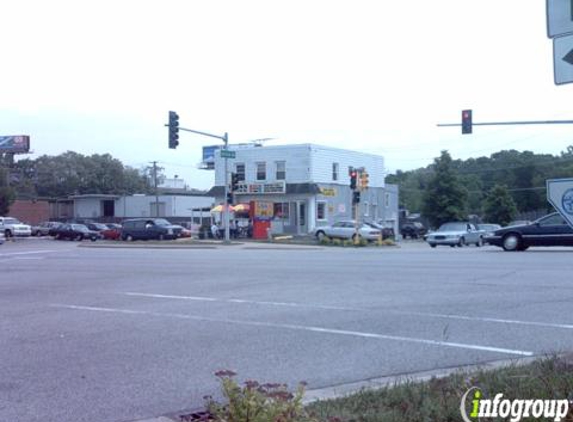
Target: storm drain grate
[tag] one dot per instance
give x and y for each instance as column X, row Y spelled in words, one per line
column 201, row 416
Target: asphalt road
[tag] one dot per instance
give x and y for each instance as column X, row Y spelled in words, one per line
column 107, row 335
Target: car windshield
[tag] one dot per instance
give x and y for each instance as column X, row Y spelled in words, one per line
column 453, row 227
column 161, row 222
column 79, row 227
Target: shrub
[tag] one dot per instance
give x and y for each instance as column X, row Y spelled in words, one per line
column 255, row 402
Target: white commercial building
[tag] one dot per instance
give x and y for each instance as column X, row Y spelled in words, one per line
column 308, row 185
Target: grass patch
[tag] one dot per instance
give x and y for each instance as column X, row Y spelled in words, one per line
column 438, row 400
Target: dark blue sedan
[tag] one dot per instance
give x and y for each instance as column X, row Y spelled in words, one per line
column 551, row 230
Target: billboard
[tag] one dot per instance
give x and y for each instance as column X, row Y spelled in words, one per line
column 209, row 156
column 16, row 144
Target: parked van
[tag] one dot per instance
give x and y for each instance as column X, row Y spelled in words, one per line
column 149, row 228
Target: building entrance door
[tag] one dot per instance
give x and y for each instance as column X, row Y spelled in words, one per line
column 301, row 221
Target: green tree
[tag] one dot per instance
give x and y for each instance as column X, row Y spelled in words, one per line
column 499, row 207
column 7, row 194
column 445, row 198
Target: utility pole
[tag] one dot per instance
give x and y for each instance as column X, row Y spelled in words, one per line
column 155, row 188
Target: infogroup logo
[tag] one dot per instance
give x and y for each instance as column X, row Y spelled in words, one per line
column 515, row 410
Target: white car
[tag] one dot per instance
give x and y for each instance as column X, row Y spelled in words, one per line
column 346, row 230
column 2, row 238
column 11, row 226
column 456, row 234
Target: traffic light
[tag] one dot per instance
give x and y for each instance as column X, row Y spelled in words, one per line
column 353, row 176
column 229, row 198
column 356, row 197
column 364, row 180
column 173, row 130
column 234, row 182
column 466, row 122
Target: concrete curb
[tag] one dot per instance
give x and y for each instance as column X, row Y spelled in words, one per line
column 343, row 390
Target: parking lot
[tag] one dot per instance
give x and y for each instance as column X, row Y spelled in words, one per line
column 98, row 334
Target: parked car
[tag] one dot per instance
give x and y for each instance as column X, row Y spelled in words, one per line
column 387, row 232
column 2, row 238
column 112, row 232
column 149, row 228
column 488, row 228
column 456, row 234
column 551, row 230
column 413, row 230
column 346, row 230
column 75, row 232
column 11, row 226
column 52, row 230
column 43, row 229
column 96, row 227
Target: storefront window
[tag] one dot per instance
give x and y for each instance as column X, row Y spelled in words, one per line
column 321, row 210
column 261, row 171
column 281, row 170
column 281, row 210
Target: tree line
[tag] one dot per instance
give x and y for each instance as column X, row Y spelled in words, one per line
column 496, row 188
column 68, row 174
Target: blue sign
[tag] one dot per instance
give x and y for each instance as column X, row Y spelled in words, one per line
column 567, row 201
column 15, row 144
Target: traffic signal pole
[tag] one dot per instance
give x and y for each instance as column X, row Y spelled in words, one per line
column 225, row 139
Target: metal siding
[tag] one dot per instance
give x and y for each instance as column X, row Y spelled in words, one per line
column 297, row 158
column 323, row 157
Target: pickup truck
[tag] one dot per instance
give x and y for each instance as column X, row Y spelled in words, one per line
column 11, row 226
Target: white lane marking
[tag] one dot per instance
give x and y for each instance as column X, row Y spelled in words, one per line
column 339, row 308
column 25, row 253
column 27, row 258
column 251, row 302
column 486, row 319
column 302, row 328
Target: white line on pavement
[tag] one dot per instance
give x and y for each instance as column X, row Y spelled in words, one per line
column 252, row 302
column 339, row 308
column 2, row 255
column 302, row 328
column 486, row 319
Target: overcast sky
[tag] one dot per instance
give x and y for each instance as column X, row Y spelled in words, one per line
column 375, row 76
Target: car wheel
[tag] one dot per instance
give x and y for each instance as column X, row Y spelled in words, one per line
column 7, row 233
column 432, row 245
column 129, row 238
column 356, row 237
column 79, row 238
column 57, row 237
column 479, row 243
column 511, row 242
column 38, row 233
column 320, row 236
column 161, row 236
column 93, row 238
column 461, row 242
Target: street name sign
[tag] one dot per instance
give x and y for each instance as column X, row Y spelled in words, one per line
column 226, row 153
column 563, row 59
column 560, row 195
column 559, row 17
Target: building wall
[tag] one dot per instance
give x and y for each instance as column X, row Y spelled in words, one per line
column 297, row 158
column 142, row 206
column 87, row 208
column 30, row 212
column 324, row 157
column 304, row 163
